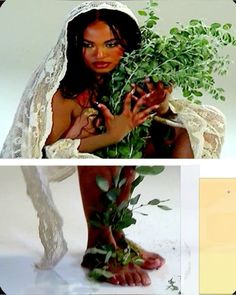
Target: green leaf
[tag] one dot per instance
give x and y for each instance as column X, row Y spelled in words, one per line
column 113, row 194
column 222, row 98
column 138, row 260
column 136, row 182
column 186, row 93
column 227, row 26
column 108, row 256
column 123, row 204
column 142, row 12
column 95, row 223
column 164, row 207
column 194, row 22
column 96, row 250
column 227, row 38
column 215, row 25
column 99, row 273
column 154, row 4
column 197, row 93
column 144, row 214
column 122, row 182
column 154, row 202
column 174, row 31
column 149, row 170
column 135, row 200
column 102, row 183
column 151, row 23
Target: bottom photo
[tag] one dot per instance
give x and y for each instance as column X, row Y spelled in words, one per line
column 99, row 230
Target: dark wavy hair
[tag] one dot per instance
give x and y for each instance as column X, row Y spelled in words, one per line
column 78, row 76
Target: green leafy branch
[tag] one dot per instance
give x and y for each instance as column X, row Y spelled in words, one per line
column 189, row 57
column 120, row 216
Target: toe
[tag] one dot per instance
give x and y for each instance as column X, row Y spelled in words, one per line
column 121, row 279
column 129, row 279
column 145, row 279
column 137, row 279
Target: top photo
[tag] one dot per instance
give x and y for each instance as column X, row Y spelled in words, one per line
column 118, row 79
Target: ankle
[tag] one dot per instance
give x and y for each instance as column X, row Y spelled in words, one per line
column 100, row 236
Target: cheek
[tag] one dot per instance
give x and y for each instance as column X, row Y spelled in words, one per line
column 118, row 53
column 86, row 55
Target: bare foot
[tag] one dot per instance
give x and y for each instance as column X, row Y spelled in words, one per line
column 131, row 275
column 151, row 260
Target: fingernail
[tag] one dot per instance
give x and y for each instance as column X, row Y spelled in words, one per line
column 147, row 79
column 132, row 91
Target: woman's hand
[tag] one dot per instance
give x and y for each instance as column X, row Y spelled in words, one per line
column 158, row 94
column 120, row 125
column 83, row 125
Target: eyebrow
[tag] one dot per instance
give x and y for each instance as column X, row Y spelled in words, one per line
column 111, row 40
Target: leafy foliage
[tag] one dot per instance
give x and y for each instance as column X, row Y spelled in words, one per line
column 118, row 217
column 189, row 57
column 121, row 216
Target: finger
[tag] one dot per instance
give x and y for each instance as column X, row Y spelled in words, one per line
column 98, row 122
column 105, row 111
column 160, row 85
column 148, row 111
column 127, row 101
column 138, row 89
column 169, row 89
column 144, row 115
column 139, row 104
column 150, row 84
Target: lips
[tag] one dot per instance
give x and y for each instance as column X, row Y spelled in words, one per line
column 101, row 64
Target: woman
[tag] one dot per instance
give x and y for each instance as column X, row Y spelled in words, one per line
column 65, row 90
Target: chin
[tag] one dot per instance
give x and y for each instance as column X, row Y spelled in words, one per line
column 103, row 71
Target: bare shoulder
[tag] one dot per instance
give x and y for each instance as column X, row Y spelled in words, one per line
column 58, row 99
column 60, row 103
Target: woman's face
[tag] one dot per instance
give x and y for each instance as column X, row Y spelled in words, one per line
column 101, row 50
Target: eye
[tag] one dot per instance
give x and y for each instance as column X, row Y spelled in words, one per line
column 112, row 43
column 87, row 44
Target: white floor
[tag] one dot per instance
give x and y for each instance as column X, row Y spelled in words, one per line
column 20, row 246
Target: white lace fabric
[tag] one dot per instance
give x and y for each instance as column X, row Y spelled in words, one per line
column 205, row 126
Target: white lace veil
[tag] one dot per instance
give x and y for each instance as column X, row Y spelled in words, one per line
column 33, row 120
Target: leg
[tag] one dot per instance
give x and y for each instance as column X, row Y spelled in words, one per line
column 91, row 196
column 168, row 142
column 182, row 146
column 151, row 260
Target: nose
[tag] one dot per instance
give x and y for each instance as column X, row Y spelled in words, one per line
column 100, row 52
